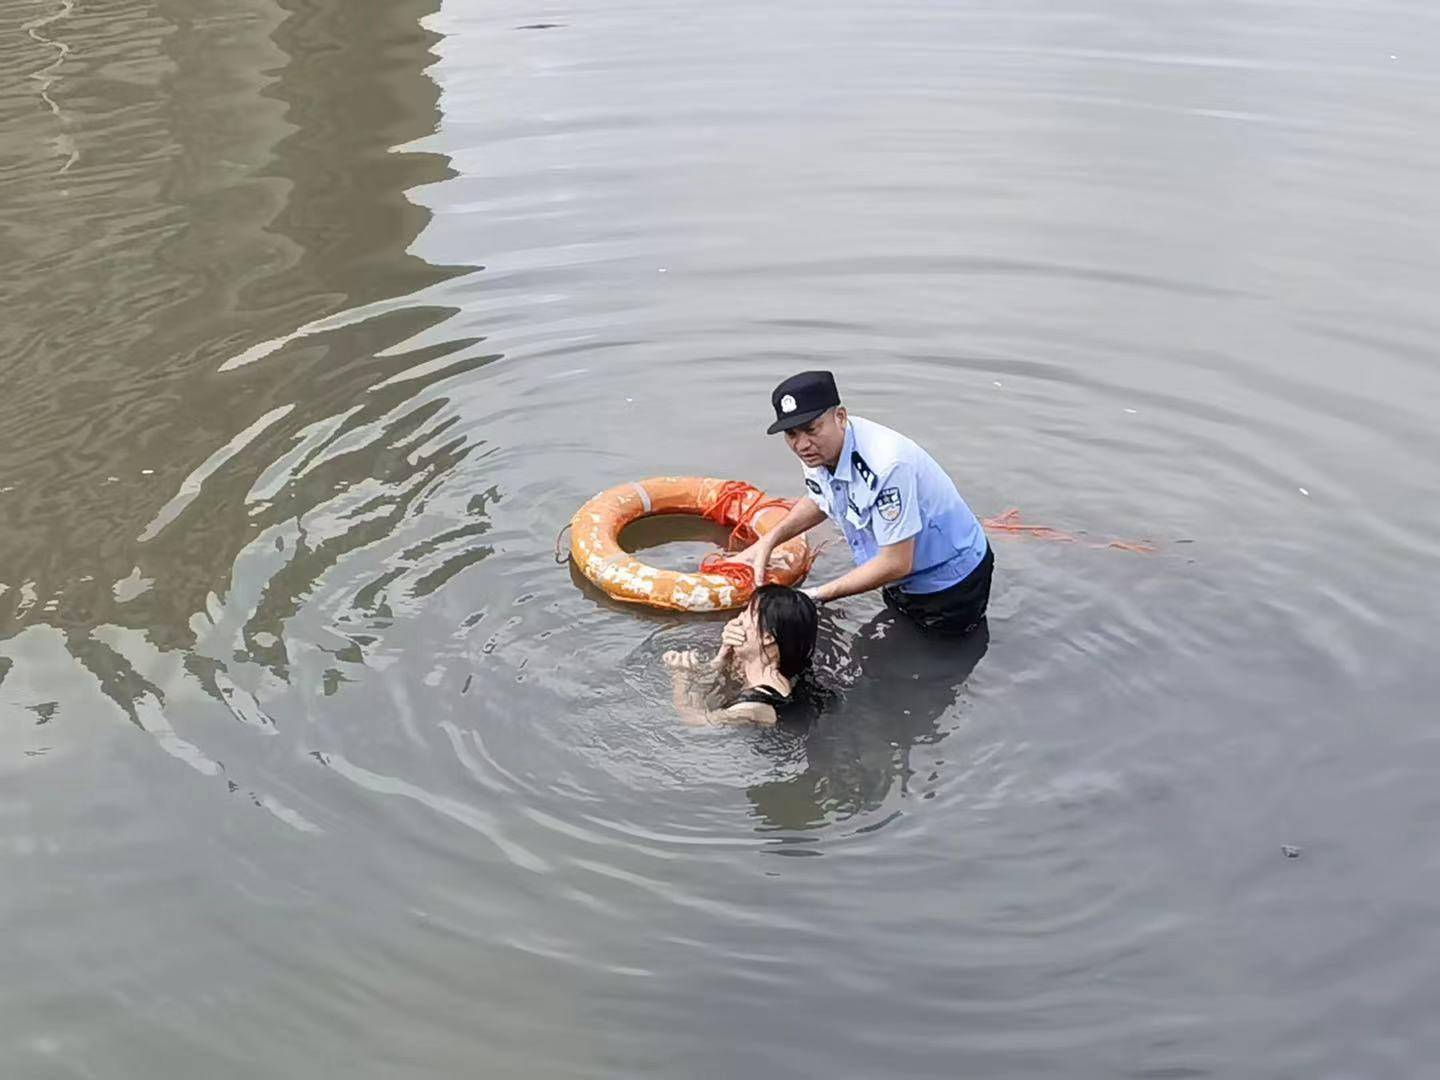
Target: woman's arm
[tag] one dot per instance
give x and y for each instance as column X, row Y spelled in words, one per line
column 747, row 712
column 691, row 677
column 687, row 669
column 687, row 692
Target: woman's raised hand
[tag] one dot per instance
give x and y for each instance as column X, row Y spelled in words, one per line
column 682, row 660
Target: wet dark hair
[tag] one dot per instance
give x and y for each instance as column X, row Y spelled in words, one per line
column 789, row 617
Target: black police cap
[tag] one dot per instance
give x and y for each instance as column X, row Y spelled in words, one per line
column 801, row 398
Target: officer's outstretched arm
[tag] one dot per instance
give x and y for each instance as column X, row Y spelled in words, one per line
column 803, row 516
column 891, row 563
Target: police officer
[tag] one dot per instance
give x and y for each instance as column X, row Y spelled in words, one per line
column 909, row 531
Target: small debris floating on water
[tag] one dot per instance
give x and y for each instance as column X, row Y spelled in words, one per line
column 1290, row 851
column 147, row 472
column 1130, row 411
column 1305, row 492
column 998, row 384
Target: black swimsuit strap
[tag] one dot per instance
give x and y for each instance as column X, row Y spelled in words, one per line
column 797, row 707
column 763, row 694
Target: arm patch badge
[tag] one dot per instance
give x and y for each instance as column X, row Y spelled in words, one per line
column 813, row 486
column 889, row 505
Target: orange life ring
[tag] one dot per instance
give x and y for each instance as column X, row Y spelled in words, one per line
column 595, row 542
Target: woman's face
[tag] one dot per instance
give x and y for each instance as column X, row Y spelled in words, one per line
column 749, row 620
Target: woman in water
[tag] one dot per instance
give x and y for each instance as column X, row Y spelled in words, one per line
column 764, row 651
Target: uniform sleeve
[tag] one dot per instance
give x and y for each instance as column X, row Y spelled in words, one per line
column 816, row 494
column 896, row 513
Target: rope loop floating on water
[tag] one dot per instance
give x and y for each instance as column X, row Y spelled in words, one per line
column 562, row 555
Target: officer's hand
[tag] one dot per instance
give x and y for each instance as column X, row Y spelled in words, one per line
column 757, row 557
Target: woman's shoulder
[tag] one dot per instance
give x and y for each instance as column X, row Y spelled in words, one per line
column 750, row 712
column 796, row 707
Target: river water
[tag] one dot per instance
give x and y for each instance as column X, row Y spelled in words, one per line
column 321, row 318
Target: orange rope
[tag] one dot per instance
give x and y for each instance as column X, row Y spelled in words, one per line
column 1009, row 522
column 738, row 574
column 1139, row 547
column 741, row 504
column 730, row 505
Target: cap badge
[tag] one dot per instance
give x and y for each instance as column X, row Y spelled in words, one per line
column 787, row 404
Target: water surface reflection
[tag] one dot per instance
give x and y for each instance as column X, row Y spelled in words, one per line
column 321, row 319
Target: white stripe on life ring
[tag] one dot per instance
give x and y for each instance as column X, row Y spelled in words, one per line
column 644, row 497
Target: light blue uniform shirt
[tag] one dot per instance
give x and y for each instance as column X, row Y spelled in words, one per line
column 886, row 489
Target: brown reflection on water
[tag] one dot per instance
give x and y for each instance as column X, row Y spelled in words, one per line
column 185, row 180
